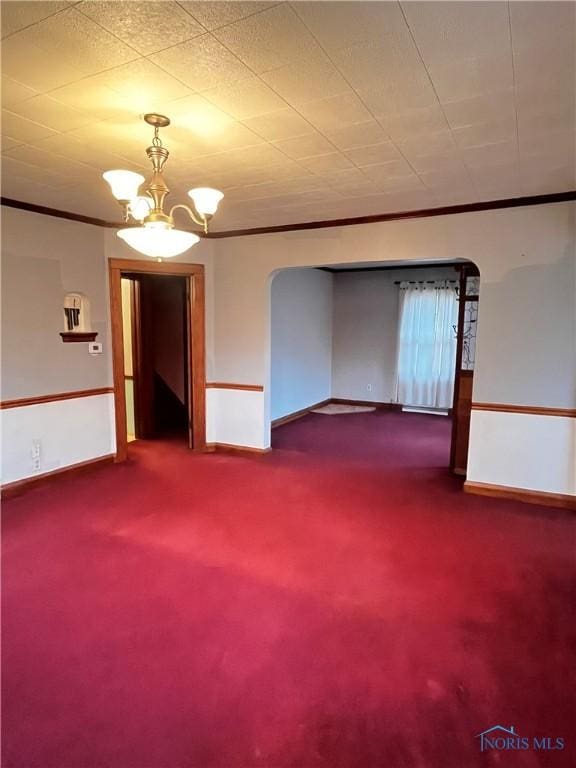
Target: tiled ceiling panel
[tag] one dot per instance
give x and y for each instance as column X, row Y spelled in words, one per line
column 296, row 110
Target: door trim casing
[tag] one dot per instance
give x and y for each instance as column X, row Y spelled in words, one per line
column 196, row 342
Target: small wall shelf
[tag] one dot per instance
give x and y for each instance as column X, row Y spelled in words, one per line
column 71, row 336
column 76, row 317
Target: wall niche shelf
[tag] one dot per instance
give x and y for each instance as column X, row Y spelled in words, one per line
column 71, row 336
column 76, row 317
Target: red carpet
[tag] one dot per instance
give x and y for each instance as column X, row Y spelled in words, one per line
column 338, row 603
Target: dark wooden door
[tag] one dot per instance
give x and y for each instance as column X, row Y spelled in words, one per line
column 464, row 374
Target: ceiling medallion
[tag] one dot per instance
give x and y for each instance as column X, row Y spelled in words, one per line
column 156, row 235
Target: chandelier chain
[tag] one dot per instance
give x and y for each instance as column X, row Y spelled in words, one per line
column 156, row 141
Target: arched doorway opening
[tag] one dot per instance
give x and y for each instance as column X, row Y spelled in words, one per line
column 335, row 343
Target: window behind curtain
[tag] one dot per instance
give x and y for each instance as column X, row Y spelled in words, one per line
column 427, row 344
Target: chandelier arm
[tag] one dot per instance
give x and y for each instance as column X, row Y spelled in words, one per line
column 202, row 222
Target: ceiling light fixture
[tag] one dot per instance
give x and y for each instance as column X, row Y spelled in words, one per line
column 156, row 235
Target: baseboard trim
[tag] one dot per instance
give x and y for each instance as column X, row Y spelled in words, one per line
column 236, row 449
column 544, row 498
column 9, row 490
column 298, row 414
column 368, row 403
column 337, row 400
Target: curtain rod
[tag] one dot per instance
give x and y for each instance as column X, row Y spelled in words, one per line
column 414, row 282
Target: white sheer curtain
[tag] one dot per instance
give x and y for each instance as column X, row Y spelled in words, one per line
column 427, row 344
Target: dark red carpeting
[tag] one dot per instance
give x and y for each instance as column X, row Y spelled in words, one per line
column 338, row 603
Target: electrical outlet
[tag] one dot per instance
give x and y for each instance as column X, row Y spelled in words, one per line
column 36, row 454
column 369, row 387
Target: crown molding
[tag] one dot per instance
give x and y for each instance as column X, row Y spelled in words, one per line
column 422, row 213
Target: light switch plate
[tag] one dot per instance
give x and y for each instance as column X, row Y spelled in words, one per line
column 95, row 347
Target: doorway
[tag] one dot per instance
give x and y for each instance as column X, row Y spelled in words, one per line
column 155, row 334
column 158, row 352
column 382, row 337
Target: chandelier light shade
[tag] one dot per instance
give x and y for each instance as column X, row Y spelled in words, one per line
column 124, row 184
column 158, row 242
column 140, row 207
column 205, row 200
column 157, row 236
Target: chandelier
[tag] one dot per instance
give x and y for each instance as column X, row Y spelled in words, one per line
column 156, row 235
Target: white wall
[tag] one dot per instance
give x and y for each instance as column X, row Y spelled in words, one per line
column 301, row 340
column 70, row 432
column 525, row 349
column 365, row 331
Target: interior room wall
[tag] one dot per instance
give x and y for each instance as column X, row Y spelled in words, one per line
column 43, row 258
column 365, row 330
column 526, row 258
column 301, row 340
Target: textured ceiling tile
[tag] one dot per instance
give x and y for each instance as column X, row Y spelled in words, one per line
column 8, row 143
column 540, row 181
column 14, row 92
column 21, row 129
column 194, row 117
column 16, row 168
column 146, row 26
column 305, row 146
column 500, row 153
column 551, row 149
column 374, row 154
column 93, row 98
column 53, row 114
column 413, row 91
column 357, row 135
column 73, row 39
column 340, row 24
column 546, row 67
column 536, row 25
column 72, row 147
column 236, row 136
column 52, row 162
column 21, row 14
column 414, row 122
column 314, row 77
column 382, row 61
column 435, row 180
column 246, row 99
column 282, row 124
column 26, row 63
column 335, row 112
column 449, row 31
column 323, row 164
column 269, row 39
column 389, row 170
column 485, row 133
column 472, row 77
column 202, row 63
column 491, row 107
column 217, row 14
column 429, row 144
column 447, row 162
column 396, row 184
column 143, row 85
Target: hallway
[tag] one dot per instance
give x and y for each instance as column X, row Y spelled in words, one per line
column 337, row 603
